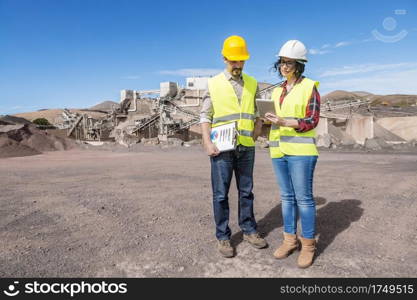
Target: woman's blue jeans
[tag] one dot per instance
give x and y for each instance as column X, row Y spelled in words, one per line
column 295, row 179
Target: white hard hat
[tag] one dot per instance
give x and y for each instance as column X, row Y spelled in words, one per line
column 294, row 49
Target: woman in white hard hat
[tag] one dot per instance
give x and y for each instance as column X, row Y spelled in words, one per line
column 293, row 150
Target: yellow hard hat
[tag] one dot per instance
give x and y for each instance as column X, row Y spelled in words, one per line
column 234, row 48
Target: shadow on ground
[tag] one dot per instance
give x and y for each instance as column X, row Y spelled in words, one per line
column 272, row 220
column 334, row 218
column 331, row 220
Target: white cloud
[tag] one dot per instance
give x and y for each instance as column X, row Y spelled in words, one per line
column 318, row 51
column 327, row 46
column 369, row 39
column 191, row 72
column 400, row 11
column 365, row 68
column 382, row 82
column 342, row 44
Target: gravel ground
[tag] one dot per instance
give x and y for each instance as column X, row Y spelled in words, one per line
column 147, row 213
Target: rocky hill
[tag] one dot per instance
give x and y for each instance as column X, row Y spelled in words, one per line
column 387, row 100
column 19, row 137
column 105, row 106
column 54, row 115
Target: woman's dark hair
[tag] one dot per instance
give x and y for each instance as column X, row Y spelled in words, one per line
column 299, row 68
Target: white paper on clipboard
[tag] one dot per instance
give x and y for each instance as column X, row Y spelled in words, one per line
column 224, row 136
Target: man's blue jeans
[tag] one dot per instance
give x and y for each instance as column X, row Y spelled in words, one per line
column 240, row 161
column 295, row 179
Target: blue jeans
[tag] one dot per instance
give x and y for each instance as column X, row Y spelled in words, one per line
column 240, row 161
column 295, row 179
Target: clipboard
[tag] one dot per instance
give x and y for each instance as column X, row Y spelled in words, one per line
column 264, row 106
column 224, row 136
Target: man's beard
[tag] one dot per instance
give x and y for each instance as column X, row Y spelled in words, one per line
column 236, row 71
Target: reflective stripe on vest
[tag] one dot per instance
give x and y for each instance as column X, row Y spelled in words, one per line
column 273, row 143
column 246, row 132
column 227, row 108
column 297, row 139
column 233, row 117
column 286, row 140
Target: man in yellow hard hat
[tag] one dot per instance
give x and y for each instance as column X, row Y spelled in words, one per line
column 231, row 98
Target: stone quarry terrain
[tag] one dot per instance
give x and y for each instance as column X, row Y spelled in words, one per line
column 100, row 209
column 145, row 211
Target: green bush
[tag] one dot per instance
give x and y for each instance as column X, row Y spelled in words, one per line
column 41, row 121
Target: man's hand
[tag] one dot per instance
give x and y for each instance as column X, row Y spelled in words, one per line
column 265, row 121
column 211, row 149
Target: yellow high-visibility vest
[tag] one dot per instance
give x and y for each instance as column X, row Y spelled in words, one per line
column 227, row 109
column 285, row 140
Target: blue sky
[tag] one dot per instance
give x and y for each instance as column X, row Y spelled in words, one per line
column 77, row 53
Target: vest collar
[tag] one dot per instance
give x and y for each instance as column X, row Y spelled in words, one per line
column 229, row 76
column 284, row 84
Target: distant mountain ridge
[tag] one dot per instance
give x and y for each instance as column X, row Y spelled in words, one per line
column 105, row 105
column 54, row 115
column 388, row 100
column 98, row 110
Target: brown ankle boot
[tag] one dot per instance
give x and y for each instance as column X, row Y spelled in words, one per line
column 308, row 247
column 289, row 244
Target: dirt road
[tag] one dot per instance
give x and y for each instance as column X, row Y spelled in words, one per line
column 148, row 213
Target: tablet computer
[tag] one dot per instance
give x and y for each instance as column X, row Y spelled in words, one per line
column 264, row 106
